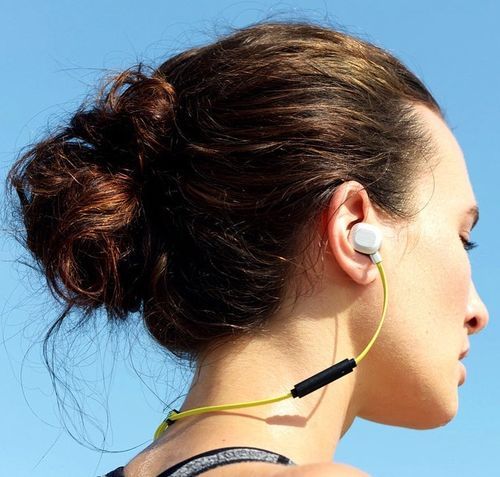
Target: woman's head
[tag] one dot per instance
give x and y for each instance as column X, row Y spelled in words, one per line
column 189, row 194
column 413, row 369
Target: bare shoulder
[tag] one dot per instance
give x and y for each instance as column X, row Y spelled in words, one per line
column 254, row 469
column 325, row 469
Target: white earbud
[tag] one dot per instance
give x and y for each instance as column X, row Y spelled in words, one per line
column 367, row 238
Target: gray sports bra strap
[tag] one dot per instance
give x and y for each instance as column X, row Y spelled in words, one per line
column 227, row 455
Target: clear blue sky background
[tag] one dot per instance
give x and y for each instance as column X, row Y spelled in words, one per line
column 52, row 54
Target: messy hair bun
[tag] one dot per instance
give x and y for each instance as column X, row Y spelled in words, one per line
column 86, row 194
column 185, row 194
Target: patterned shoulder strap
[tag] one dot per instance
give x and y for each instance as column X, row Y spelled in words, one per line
column 227, row 455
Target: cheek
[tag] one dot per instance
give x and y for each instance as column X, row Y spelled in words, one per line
column 445, row 289
column 431, row 292
column 451, row 277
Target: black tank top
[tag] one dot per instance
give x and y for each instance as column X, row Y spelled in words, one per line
column 215, row 458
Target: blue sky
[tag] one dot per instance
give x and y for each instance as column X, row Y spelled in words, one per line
column 53, row 53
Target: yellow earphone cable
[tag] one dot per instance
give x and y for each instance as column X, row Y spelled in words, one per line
column 384, row 311
column 174, row 415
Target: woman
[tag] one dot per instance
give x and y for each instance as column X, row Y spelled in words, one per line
column 218, row 196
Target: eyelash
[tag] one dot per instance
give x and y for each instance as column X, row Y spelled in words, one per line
column 467, row 244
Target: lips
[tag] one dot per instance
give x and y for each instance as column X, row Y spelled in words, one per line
column 464, row 353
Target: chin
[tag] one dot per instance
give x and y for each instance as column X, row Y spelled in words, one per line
column 414, row 418
column 434, row 408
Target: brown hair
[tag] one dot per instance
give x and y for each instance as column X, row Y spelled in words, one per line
column 186, row 193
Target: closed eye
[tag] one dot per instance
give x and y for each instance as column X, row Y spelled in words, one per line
column 468, row 245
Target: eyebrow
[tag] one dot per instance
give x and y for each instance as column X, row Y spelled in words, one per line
column 474, row 212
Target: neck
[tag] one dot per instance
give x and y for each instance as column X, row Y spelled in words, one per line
column 268, row 365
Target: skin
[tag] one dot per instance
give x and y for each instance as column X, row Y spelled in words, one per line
column 409, row 378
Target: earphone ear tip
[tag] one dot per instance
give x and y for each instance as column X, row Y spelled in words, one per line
column 366, row 238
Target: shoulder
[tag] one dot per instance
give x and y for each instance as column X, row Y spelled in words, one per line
column 326, row 469
column 254, row 469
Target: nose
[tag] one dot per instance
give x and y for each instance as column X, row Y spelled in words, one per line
column 477, row 313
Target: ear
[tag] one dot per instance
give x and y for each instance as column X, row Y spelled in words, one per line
column 349, row 205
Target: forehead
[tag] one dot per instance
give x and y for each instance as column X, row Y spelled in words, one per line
column 449, row 183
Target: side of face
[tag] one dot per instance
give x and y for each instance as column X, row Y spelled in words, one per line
column 433, row 304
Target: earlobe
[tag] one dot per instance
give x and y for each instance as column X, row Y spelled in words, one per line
column 348, row 206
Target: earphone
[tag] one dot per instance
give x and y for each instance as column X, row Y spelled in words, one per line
column 366, row 239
